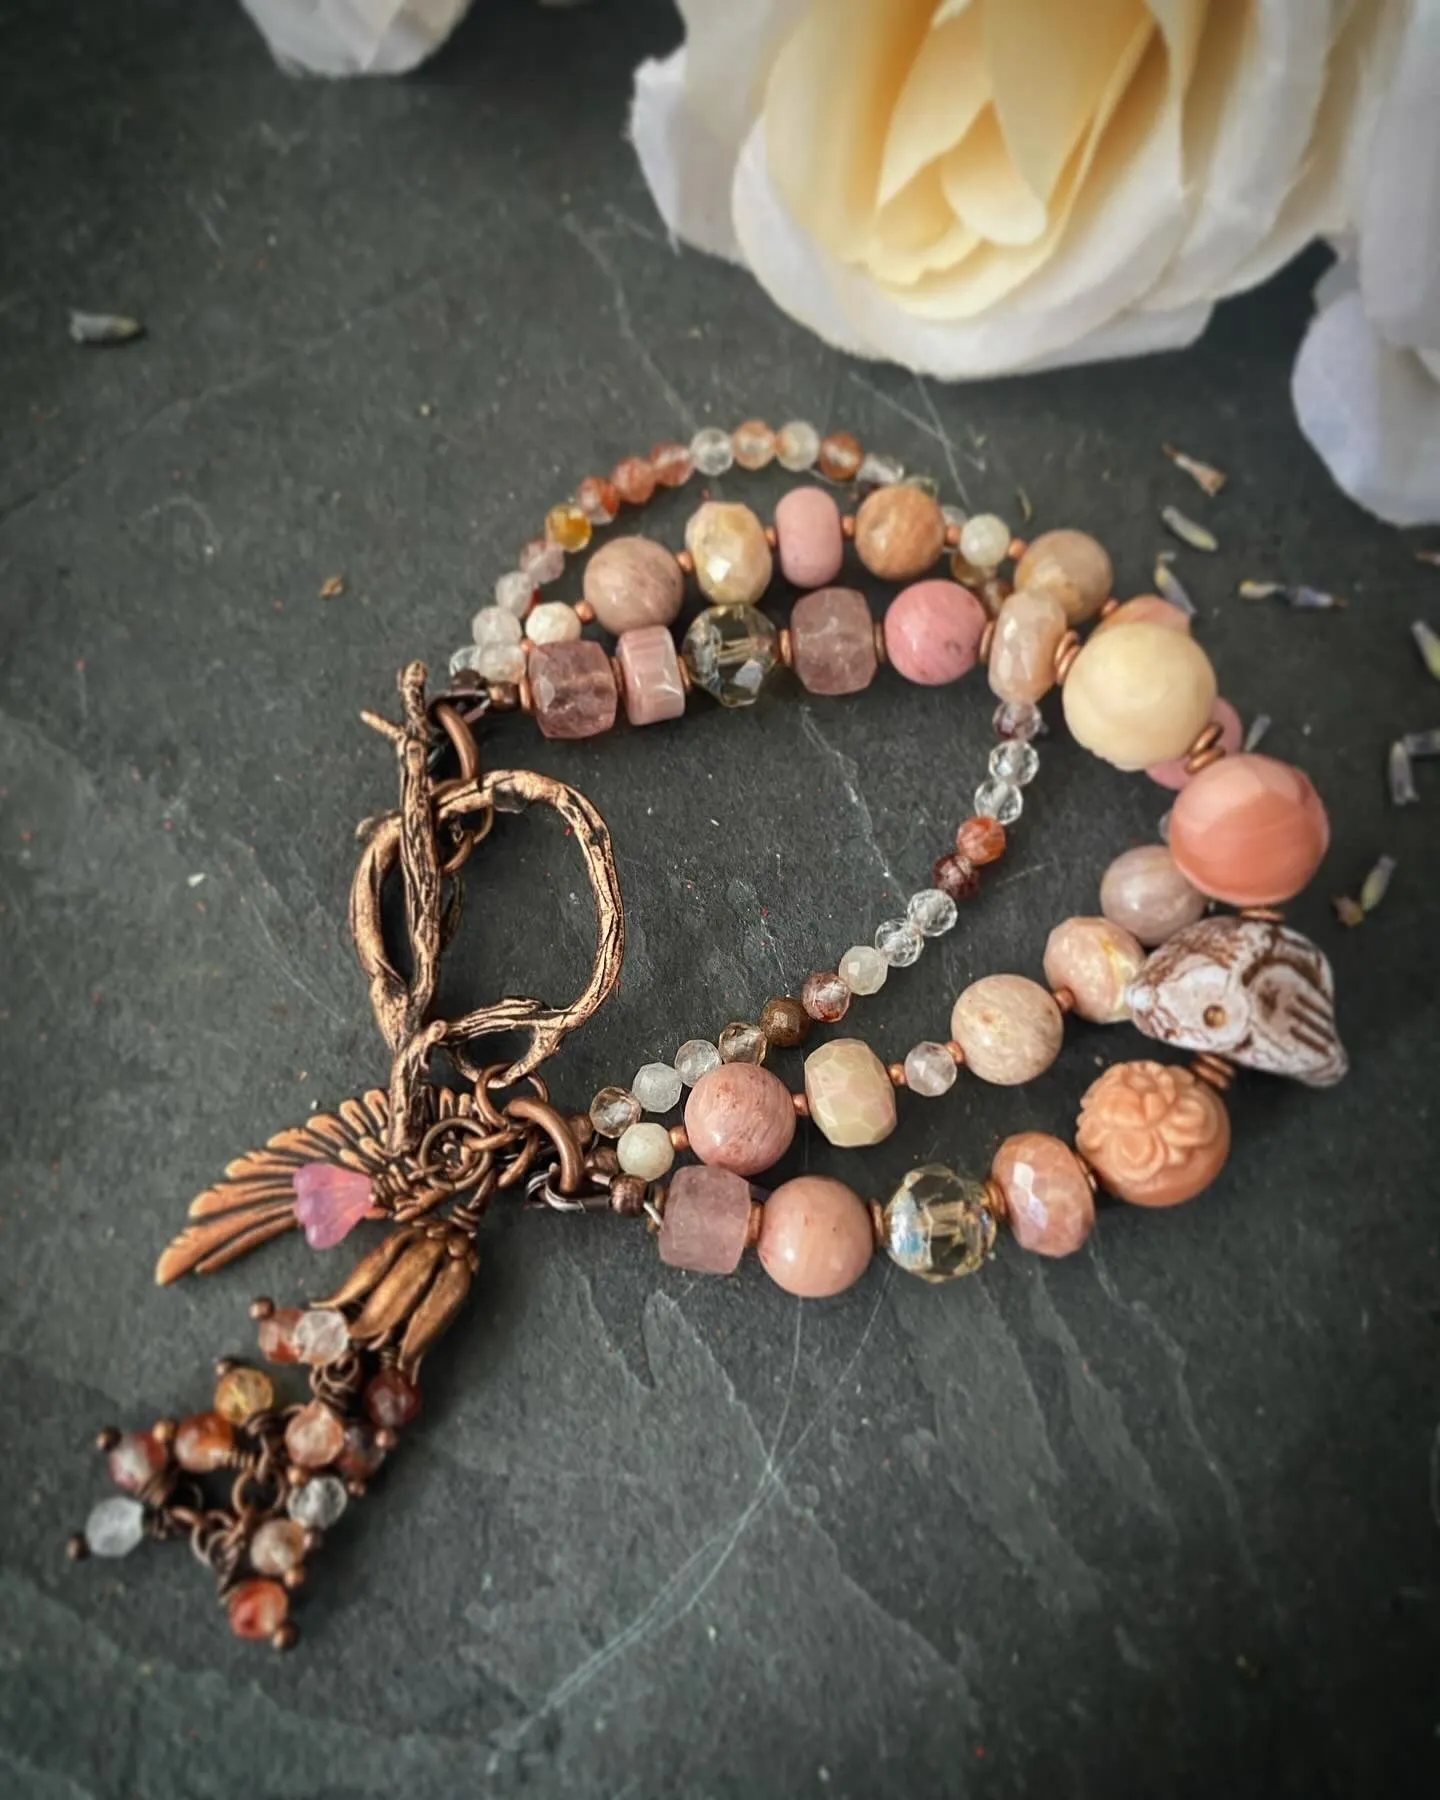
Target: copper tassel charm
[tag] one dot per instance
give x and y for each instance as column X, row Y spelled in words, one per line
column 257, row 1479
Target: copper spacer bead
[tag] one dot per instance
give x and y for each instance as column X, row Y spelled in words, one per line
column 224, row 1364
column 504, row 696
column 685, row 680
column 386, row 1439
column 294, row 1578
column 355, row 1488
column 1065, row 653
column 582, row 1128
column 163, row 1431
column 1016, row 548
column 987, row 638
column 1213, row 1069
column 1085, row 1169
column 525, row 694
column 952, row 536
column 604, row 1160
column 617, row 675
column 772, row 537
column 896, row 1072
column 76, row 1548
column 261, row 1307
column 878, row 1225
column 880, row 643
column 686, row 562
column 679, row 1138
column 285, row 1636
column 295, row 1477
column 1267, row 915
column 627, row 1195
column 787, row 647
column 847, row 524
column 801, row 1105
column 957, row 1055
column 312, row 1540
column 995, row 1199
column 584, row 612
column 106, row 1439
column 753, row 1224
column 1063, row 998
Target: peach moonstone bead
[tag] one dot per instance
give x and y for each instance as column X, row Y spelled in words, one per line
column 850, row 1093
column 1140, row 695
column 1009, row 1028
column 816, row 1237
column 1028, row 628
column 1249, row 830
column 809, row 537
column 732, row 558
column 1071, row 566
column 899, row 532
column 740, row 1117
column 1154, row 1133
column 933, row 631
column 1096, row 960
column 1048, row 1201
column 1144, row 892
column 632, row 581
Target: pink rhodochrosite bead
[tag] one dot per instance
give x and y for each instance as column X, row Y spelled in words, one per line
column 933, row 631
column 816, row 1238
column 1249, row 830
column 706, row 1220
column 1174, row 774
column 329, row 1202
column 654, row 690
column 811, row 542
column 1047, row 1198
column 832, row 641
column 740, row 1117
column 574, row 689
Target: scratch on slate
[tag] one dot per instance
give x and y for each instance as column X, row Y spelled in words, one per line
column 944, row 440
column 589, row 242
column 285, row 967
column 931, row 427
column 1435, row 1476
column 849, row 780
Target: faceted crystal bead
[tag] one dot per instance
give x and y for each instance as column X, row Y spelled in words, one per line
column 784, row 1021
column 980, row 840
column 832, row 641
column 115, row 1526
column 1028, row 630
column 634, row 480
column 694, row 1058
column 710, row 451
column 574, row 689
column 954, row 517
column 613, row 1110
column 465, row 659
column 362, row 1456
column 732, row 556
column 898, row 942
column 495, row 625
column 317, row 1503
column 203, row 1442
column 541, row 560
column 840, row 456
column 753, row 443
column 1048, row 1202
column 1015, row 762
column 552, row 622
column 321, row 1336
column 984, row 540
column 937, row 1225
column 955, row 876
column 671, row 464
column 742, row 1042
column 850, row 1093
column 1000, row 801
column 729, row 650
column 514, row 591
column 797, row 446
column 1017, row 719
column 133, row 1461
column 275, row 1335
column 706, row 1220
column 314, row 1436
column 501, row 662
column 277, row 1547
column 598, row 499
column 567, row 526
column 257, row 1609
column 391, row 1400
column 877, row 471
column 645, row 1150
column 656, row 1086
column 825, row 996
column 932, row 912
column 863, row 969
column 242, row 1392
column 929, row 1070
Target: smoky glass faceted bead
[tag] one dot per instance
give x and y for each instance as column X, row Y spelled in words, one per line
column 938, row 1224
column 729, row 651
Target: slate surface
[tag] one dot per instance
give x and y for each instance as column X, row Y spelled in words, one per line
column 1160, row 1520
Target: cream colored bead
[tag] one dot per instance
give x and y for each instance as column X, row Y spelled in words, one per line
column 863, row 969
column 1139, row 696
column 645, row 1150
column 850, row 1093
column 1009, row 1028
column 732, row 558
column 984, row 541
column 552, row 622
column 1028, row 630
column 1073, row 567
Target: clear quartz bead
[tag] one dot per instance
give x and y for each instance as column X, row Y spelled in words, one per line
column 614, row 1110
column 741, row 1041
column 954, row 516
column 513, row 590
column 541, row 561
column 553, row 622
column 927, row 484
column 929, row 1070
column 984, row 540
column 115, row 1526
column 466, row 657
column 1162, row 827
column 932, row 912
column 898, row 942
column 863, row 969
column 999, row 801
column 494, row 625
column 501, row 662
column 1015, row 761
column 317, row 1503
column 694, row 1058
column 1018, row 719
column 657, row 1086
column 729, row 650
column 711, row 451
column 797, row 445
column 939, row 1225
column 879, row 471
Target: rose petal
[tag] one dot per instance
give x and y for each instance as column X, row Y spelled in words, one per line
column 687, row 168
column 947, row 88
column 1399, row 216
column 354, row 37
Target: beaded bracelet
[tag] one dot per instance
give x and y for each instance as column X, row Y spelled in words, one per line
column 255, row 1481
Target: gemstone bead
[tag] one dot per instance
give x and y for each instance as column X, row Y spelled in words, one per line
column 832, row 641
column 753, row 443
column 1249, row 830
column 495, row 625
column 391, row 1400
column 733, row 563
column 321, row 1336
column 614, row 1110
column 650, row 671
column 706, row 1220
column 553, row 622
column 929, row 1070
column 1154, row 1133
column 541, row 561
column 899, row 532
column 932, row 912
column 729, row 650
column 277, row 1547
column 598, row 499
column 899, row 943
column 1139, row 696
column 634, row 480
column 203, row 1442
column 671, row 464
column 1009, row 1028
column 840, row 456
column 362, row 1456
column 645, row 1150
column 574, row 689
column 631, row 582
column 115, row 1526
column 500, row 662
column 1048, row 1202
column 317, row 1503
column 888, row 471
column 1174, row 774
column 825, row 997
column 1096, row 961
column 863, row 969
column 985, row 541
column 242, row 1392
column 980, row 839
column 1072, row 567
column 741, row 1041
column 710, row 451
column 657, row 1086
column 137, row 1457
column 1145, row 609
column 257, row 1609
column 1028, row 630
column 567, row 526
column 515, row 590
column 933, row 631
column 330, row 1202
column 955, row 876
column 810, row 541
column 1018, row 719
column 466, row 660
column 797, row 446
column 1016, row 762
column 816, row 1238
column 740, row 1117
column 1144, row 892
column 314, row 1436
column 784, row 1021
column 850, row 1093
column 938, row 1225
column 694, row 1058
column 998, row 800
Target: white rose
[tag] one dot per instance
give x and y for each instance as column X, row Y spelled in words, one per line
column 974, row 187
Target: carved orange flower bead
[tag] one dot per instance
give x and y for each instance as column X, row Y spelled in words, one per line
column 1153, row 1133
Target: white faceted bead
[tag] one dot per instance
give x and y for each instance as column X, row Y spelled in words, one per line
column 542, row 562
column 954, row 515
column 929, row 1070
column 898, row 942
column 879, row 471
column 318, row 1502
column 984, row 541
column 115, row 1526
column 501, row 662
column 711, row 451
column 1017, row 719
column 1015, row 762
column 863, row 969
column 694, row 1058
column 553, row 622
column 466, row 657
column 494, row 625
column 797, row 445
column 321, row 1336
column 998, row 800
column 513, row 591
column 646, row 1151
column 932, row 912
column 657, row 1086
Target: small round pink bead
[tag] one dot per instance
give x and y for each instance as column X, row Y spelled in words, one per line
column 1174, row 774
column 810, row 539
column 816, row 1238
column 740, row 1117
column 933, row 631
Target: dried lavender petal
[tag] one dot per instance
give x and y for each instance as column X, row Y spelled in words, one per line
column 1428, row 556
column 1421, row 743
column 1188, row 532
column 1027, row 510
column 1372, row 890
column 103, row 328
column 1348, row 911
column 1400, row 776
column 1308, row 599
column 1169, row 586
column 1204, row 474
column 1260, row 590
column 1259, row 725
column 1429, row 646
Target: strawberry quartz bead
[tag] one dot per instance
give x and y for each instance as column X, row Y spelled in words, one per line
column 840, row 456
column 574, row 689
column 134, row 1460
column 1249, row 830
column 276, row 1335
column 598, row 499
column 204, row 1442
column 706, row 1220
column 257, row 1609
column 634, row 480
column 391, row 1399
column 314, row 1436
column 832, row 641
column 980, row 840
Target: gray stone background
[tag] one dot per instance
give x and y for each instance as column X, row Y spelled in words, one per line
column 1157, row 1520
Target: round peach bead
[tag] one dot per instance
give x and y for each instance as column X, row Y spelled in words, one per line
column 1009, row 1028
column 1048, row 1201
column 632, row 581
column 1249, row 830
column 933, row 631
column 1145, row 893
column 1096, row 961
column 809, row 538
column 816, row 1238
column 1154, row 1133
column 1139, row 696
column 732, row 557
column 1174, row 775
column 899, row 532
column 1145, row 609
column 740, row 1117
column 1028, row 629
column 1072, row 567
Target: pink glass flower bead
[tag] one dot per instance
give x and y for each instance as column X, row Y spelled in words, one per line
column 329, row 1202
